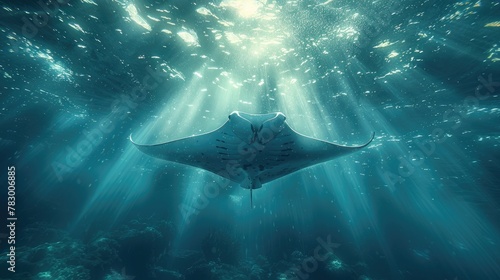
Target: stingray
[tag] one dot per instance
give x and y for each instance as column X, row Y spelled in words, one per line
column 250, row 149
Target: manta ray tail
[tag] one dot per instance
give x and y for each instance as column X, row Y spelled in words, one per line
column 251, row 199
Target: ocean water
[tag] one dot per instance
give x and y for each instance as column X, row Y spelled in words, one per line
column 80, row 201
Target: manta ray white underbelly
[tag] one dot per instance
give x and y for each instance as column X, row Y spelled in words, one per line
column 250, row 149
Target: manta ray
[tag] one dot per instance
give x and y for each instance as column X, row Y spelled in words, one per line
column 250, row 149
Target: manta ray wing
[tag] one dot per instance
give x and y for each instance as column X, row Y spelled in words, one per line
column 214, row 151
column 290, row 151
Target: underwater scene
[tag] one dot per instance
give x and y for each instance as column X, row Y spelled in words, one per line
column 249, row 139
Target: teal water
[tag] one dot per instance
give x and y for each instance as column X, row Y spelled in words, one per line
column 421, row 202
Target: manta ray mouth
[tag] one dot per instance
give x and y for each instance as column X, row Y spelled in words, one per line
column 260, row 128
column 250, row 149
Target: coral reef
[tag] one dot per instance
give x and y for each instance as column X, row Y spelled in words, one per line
column 140, row 250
